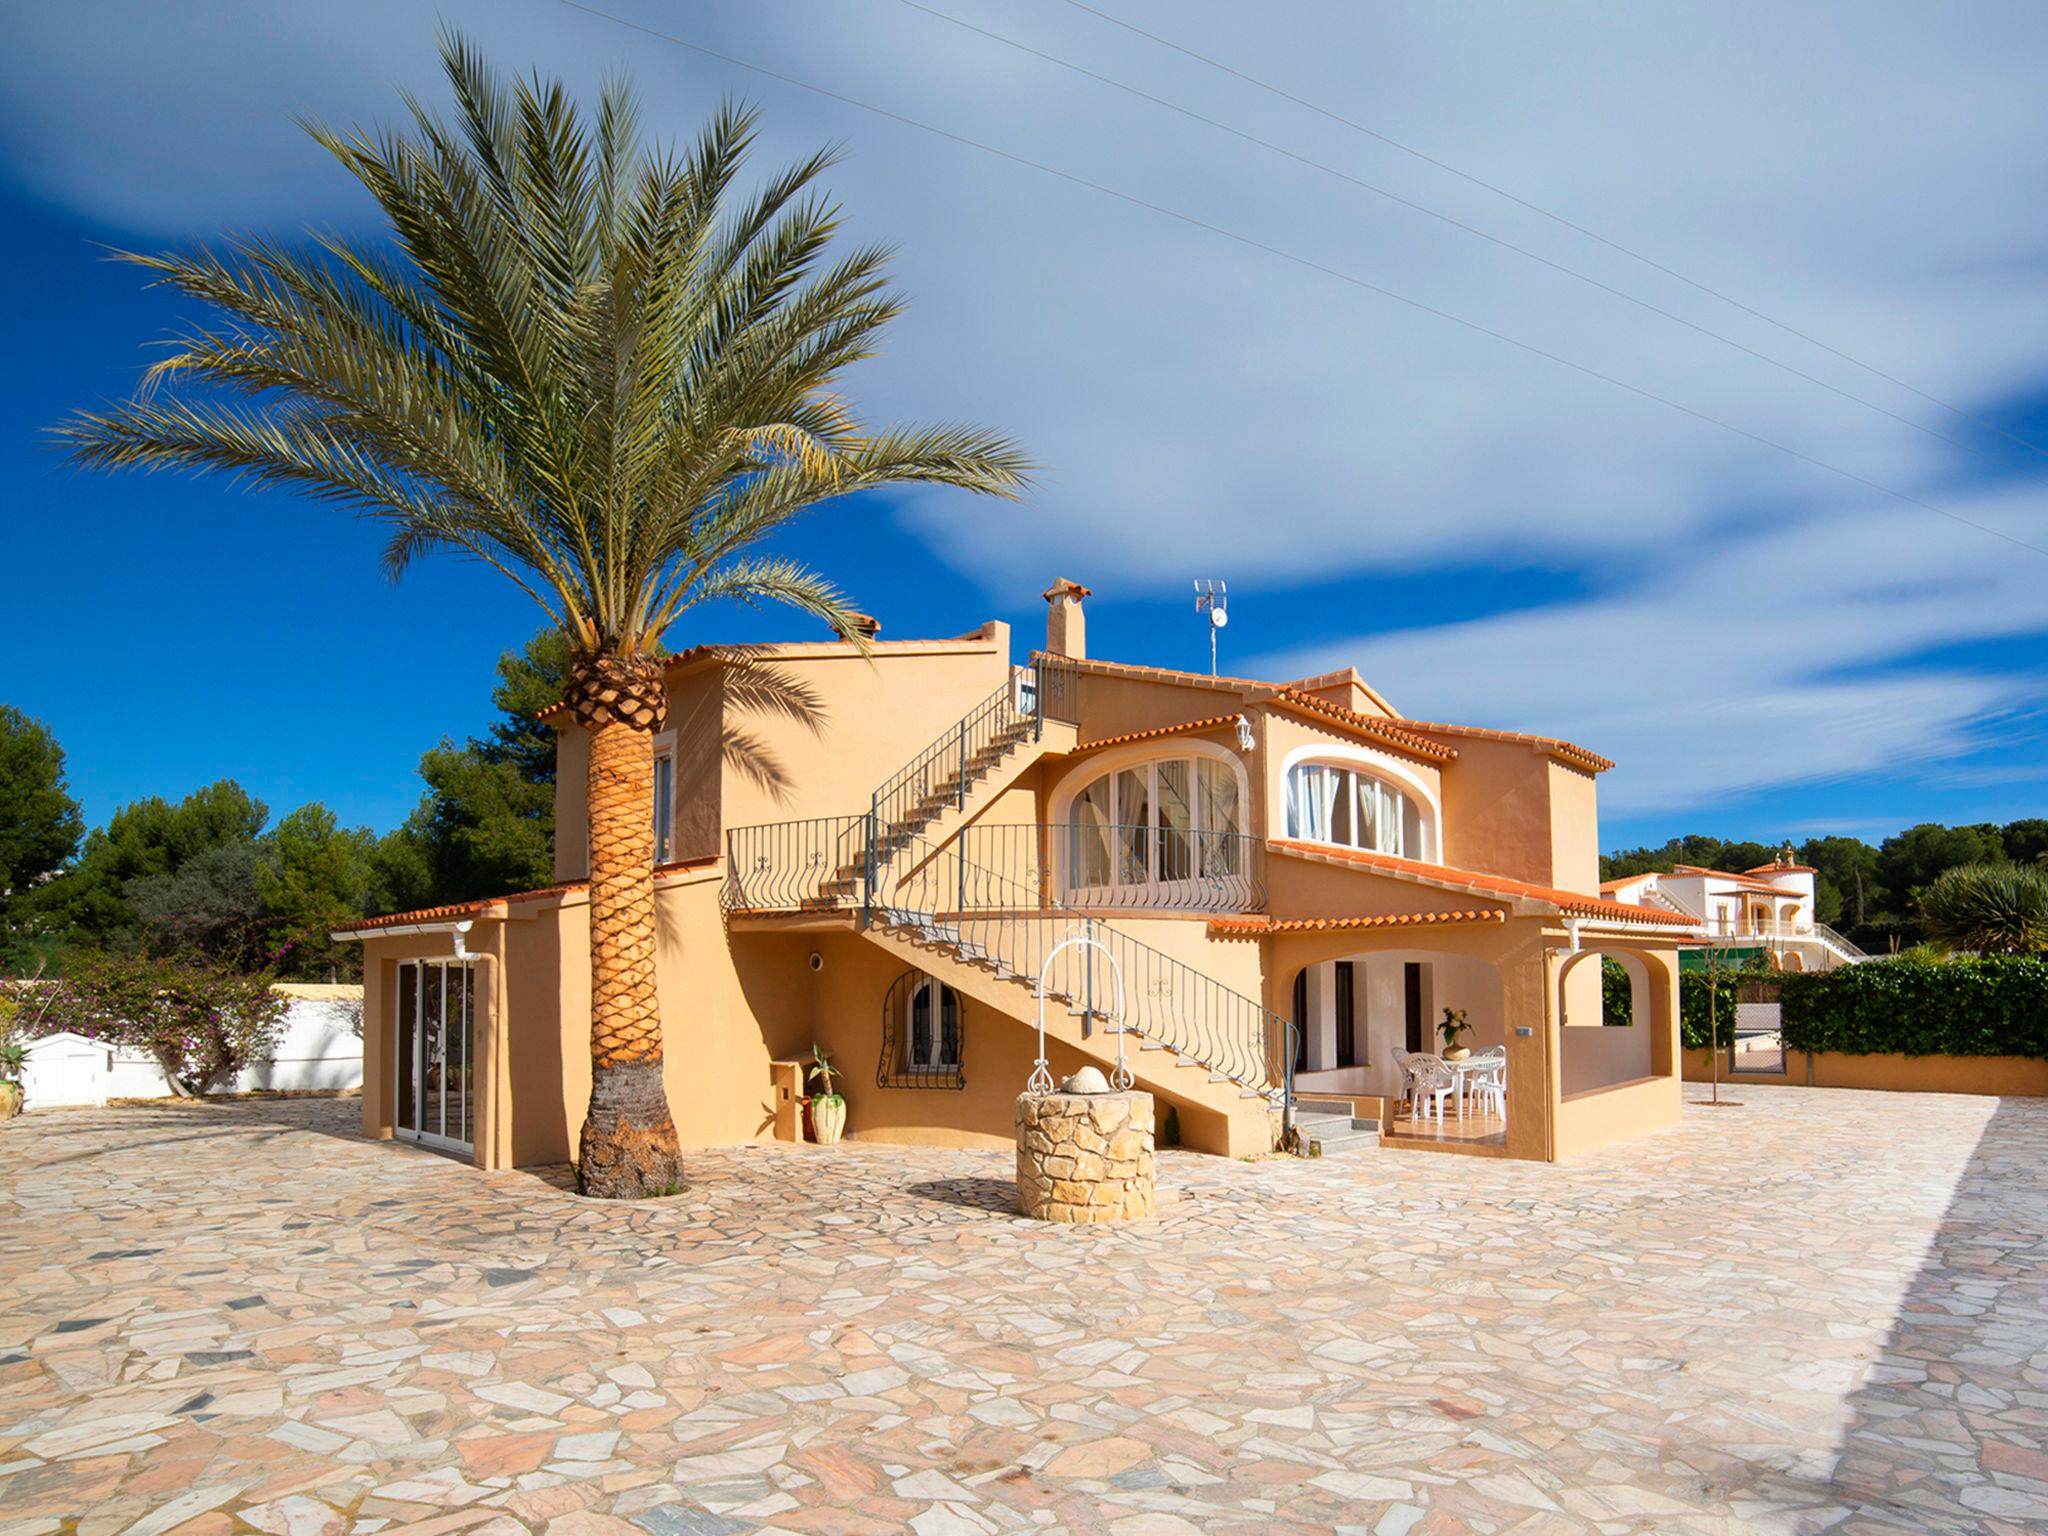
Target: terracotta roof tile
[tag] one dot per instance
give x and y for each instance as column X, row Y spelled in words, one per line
column 1185, row 728
column 1391, row 732
column 1577, row 756
column 462, row 909
column 1782, row 869
column 1253, row 926
column 1572, row 903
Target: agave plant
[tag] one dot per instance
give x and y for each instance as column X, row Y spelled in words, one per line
column 1991, row 909
column 594, row 366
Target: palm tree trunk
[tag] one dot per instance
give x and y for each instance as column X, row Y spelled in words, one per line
column 628, row 1147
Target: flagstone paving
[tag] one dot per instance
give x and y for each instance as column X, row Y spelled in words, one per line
column 1820, row 1310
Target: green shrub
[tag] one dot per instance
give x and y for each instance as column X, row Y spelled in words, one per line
column 202, row 1023
column 1692, row 1006
column 1994, row 1006
column 1992, row 909
column 1617, row 996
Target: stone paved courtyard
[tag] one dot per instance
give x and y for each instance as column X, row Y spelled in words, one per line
column 1821, row 1310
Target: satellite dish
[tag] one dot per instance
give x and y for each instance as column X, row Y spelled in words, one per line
column 1218, row 617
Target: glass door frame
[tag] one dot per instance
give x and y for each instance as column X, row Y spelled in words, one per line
column 413, row 1073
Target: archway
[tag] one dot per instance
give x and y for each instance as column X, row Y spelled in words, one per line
column 1596, row 1049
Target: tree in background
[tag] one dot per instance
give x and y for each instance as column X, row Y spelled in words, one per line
column 1988, row 909
column 2025, row 842
column 39, row 824
column 203, row 1023
column 316, row 875
column 486, row 825
column 597, row 369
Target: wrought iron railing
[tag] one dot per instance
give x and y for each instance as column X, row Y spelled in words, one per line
column 943, row 774
column 796, row 866
column 1011, row 927
column 1106, row 867
column 824, row 863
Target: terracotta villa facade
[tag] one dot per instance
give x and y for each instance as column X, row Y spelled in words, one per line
column 1289, row 882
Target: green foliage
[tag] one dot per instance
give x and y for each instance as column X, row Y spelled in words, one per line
column 1995, row 1006
column 1872, row 894
column 590, row 363
column 1453, row 1026
column 486, row 825
column 822, row 1074
column 146, row 845
column 203, row 1023
column 39, row 821
column 1617, row 994
column 316, row 876
column 1990, row 909
column 1722, row 982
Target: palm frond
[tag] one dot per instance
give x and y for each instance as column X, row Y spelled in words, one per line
column 594, row 364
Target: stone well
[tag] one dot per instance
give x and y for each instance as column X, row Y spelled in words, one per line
column 1085, row 1157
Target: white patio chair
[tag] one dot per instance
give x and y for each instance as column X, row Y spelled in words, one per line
column 1488, row 1082
column 1431, row 1082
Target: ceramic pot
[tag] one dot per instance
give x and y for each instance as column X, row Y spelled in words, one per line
column 1459, row 1054
column 10, row 1100
column 828, row 1117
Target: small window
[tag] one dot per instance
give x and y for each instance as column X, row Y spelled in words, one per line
column 664, row 802
column 922, row 1034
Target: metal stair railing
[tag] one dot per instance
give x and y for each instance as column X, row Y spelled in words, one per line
column 941, row 776
column 1010, row 926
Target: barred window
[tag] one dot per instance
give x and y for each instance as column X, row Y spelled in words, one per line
column 921, row 1034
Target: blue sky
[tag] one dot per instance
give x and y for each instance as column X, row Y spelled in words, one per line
column 1766, row 647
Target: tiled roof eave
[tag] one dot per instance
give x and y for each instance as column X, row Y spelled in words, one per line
column 1444, row 877
column 1254, row 926
column 489, row 908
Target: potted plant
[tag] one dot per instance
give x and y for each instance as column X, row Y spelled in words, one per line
column 1452, row 1027
column 828, row 1109
column 13, row 1054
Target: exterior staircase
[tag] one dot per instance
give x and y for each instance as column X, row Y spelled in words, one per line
column 1333, row 1124
column 902, row 871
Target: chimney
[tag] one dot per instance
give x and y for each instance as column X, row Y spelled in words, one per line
column 1066, row 629
column 866, row 625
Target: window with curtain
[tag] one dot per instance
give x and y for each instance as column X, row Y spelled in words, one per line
column 1338, row 803
column 1173, row 819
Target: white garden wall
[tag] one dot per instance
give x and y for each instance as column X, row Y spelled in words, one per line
column 319, row 1049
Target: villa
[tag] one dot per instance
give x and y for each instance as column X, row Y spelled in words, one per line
column 877, row 854
column 1765, row 913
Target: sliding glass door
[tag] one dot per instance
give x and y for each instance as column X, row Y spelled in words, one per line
column 436, row 1049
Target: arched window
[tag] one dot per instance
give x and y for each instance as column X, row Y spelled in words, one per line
column 1164, row 822
column 921, row 1034
column 1346, row 805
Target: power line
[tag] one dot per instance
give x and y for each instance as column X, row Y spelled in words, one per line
column 1558, row 218
column 1444, row 218
column 1294, row 259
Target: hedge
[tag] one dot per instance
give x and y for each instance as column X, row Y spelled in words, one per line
column 1692, row 1006
column 1994, row 1006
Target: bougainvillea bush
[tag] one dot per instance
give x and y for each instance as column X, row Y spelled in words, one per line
column 203, row 1024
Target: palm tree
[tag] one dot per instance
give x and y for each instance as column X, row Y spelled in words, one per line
column 1992, row 909
column 599, row 369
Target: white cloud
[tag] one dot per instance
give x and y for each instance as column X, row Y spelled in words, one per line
column 1866, row 171
column 1781, row 657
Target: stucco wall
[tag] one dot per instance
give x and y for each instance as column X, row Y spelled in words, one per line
column 2023, row 1076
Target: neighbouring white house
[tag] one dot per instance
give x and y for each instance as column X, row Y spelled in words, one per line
column 320, row 1049
column 1767, row 910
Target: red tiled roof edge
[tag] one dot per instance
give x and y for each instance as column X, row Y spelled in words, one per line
column 1570, row 752
column 1395, row 733
column 463, row 909
column 1571, row 903
column 1186, row 727
column 1252, row 927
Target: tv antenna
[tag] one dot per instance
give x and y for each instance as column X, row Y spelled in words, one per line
column 1213, row 598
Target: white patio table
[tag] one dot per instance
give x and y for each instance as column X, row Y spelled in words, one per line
column 1471, row 1066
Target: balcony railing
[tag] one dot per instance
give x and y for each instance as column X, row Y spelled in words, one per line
column 825, row 864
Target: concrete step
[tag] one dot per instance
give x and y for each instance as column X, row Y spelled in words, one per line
column 1338, row 1132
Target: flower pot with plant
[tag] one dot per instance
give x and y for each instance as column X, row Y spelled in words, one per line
column 1451, row 1029
column 13, row 1056
column 828, row 1109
